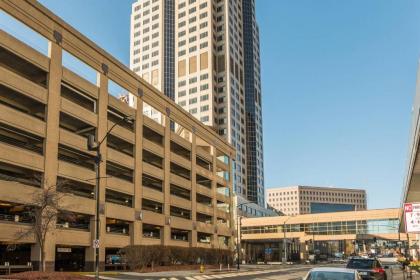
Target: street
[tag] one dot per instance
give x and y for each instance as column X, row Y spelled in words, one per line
column 290, row 272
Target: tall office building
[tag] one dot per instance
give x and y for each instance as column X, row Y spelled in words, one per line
column 296, row 200
column 209, row 61
column 152, row 43
column 253, row 109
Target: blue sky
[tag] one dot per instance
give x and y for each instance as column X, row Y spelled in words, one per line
column 338, row 83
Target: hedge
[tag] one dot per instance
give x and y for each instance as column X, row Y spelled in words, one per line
column 141, row 256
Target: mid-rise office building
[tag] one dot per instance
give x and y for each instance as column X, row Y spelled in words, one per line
column 296, row 200
column 156, row 185
column 325, row 235
column 205, row 41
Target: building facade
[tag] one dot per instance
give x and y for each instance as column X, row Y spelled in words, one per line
column 157, row 185
column 253, row 104
column 250, row 209
column 298, row 200
column 209, row 73
column 325, row 235
column 411, row 187
column 153, row 56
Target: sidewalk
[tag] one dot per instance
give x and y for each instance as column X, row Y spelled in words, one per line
column 395, row 274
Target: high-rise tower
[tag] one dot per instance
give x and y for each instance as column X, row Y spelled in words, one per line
column 253, row 108
column 199, row 45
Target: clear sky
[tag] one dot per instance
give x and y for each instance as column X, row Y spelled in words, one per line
column 338, row 83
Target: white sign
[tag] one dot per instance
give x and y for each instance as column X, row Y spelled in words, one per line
column 412, row 217
column 95, row 243
column 63, row 250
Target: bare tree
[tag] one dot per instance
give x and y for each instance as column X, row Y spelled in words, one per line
column 44, row 213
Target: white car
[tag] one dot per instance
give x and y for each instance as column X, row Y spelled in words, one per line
column 332, row 273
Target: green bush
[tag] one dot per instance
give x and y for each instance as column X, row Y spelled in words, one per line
column 141, row 256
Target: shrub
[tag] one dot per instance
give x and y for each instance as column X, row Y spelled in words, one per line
column 140, row 256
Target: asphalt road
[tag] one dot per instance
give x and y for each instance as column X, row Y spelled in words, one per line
column 290, row 272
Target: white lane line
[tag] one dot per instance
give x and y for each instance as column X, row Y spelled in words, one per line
column 107, row 278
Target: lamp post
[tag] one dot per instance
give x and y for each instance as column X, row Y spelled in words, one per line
column 238, row 229
column 284, row 241
column 95, row 146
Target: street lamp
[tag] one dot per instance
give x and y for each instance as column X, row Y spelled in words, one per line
column 284, row 240
column 95, row 146
column 238, row 221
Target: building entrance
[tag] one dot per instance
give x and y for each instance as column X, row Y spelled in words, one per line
column 15, row 254
column 263, row 252
column 69, row 258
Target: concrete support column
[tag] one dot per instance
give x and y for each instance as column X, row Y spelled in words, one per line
column 193, row 242
column 281, row 252
column 215, row 239
column 51, row 145
column 232, row 210
column 266, row 256
column 90, row 251
column 166, row 181
column 304, row 254
column 137, row 232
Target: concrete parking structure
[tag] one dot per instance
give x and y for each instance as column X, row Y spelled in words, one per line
column 164, row 181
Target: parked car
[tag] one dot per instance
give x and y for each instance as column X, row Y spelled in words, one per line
column 368, row 268
column 389, row 259
column 332, row 273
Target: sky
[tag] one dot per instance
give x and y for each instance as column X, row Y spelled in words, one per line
column 338, row 83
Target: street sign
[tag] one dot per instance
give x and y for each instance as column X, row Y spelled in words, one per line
column 95, row 243
column 412, row 217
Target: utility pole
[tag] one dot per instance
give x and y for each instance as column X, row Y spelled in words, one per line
column 238, row 233
column 95, row 146
column 238, row 248
column 284, row 240
column 284, row 243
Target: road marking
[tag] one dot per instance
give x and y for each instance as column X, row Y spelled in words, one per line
column 234, row 274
